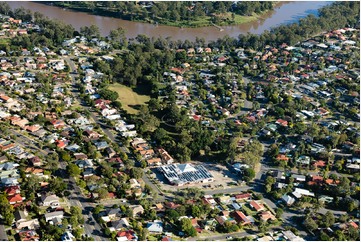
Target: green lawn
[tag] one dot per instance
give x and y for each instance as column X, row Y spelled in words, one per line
column 130, row 100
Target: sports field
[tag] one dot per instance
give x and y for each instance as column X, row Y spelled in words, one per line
column 130, row 100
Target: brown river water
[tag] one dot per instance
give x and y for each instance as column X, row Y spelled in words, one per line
column 284, row 13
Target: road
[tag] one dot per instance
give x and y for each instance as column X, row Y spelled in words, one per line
column 72, row 68
column 27, row 142
column 3, row 235
column 78, row 199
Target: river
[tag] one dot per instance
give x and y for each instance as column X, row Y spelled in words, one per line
column 284, row 13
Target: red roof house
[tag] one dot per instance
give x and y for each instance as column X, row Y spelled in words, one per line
column 256, row 206
column 17, row 198
column 241, row 218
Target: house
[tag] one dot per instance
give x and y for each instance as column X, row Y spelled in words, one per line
column 32, row 128
column 241, row 218
column 28, row 235
column 319, row 164
column 80, row 156
column 54, row 217
column 256, row 206
column 282, row 157
column 67, row 236
column 316, row 180
column 3, row 159
column 288, row 199
column 265, row 216
column 88, row 172
column 30, row 224
column 166, row 238
column 61, row 143
column 304, row 160
column 210, row 224
column 137, row 209
column 7, row 145
column 120, row 224
column 224, row 199
column 298, row 193
column 155, row 227
column 134, row 183
column 20, row 216
column 299, row 178
column 114, row 213
column 110, row 152
column 92, row 134
column 35, row 161
column 73, row 147
column 282, row 122
column 127, row 235
column 154, row 162
column 12, row 190
column 58, row 124
column 51, row 200
column 243, row 197
column 17, row 198
column 290, row 236
column 84, row 163
column 195, row 225
column 166, row 158
column 159, row 207
column 147, row 153
column 101, row 145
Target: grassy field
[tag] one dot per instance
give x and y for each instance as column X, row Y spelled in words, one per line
column 130, row 100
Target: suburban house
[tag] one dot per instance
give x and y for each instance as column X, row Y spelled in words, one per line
column 54, row 217
column 137, row 209
column 49, row 200
column 241, row 218
column 30, row 224
column 256, row 206
column 155, row 227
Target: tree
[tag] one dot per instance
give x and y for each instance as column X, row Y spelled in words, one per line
column 270, row 181
column 248, row 174
column 6, row 210
column 279, row 212
column 108, row 94
column 310, row 224
column 73, row 170
column 187, row 227
column 262, row 226
column 324, row 237
column 196, row 212
column 172, row 215
column 328, row 219
column 57, row 185
column 98, row 208
column 136, row 172
column 65, row 156
column 52, row 161
column 103, row 193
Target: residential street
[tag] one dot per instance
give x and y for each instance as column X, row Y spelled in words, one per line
column 77, row 199
column 3, row 235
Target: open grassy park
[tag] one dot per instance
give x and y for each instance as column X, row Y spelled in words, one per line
column 130, row 99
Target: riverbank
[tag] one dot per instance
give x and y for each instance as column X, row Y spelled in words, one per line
column 284, row 13
column 225, row 19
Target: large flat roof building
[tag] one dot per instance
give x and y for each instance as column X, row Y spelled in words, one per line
column 183, row 174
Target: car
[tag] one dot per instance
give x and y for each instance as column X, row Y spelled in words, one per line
column 229, row 237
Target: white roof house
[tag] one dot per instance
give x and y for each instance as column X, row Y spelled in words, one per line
column 155, row 227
